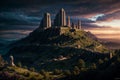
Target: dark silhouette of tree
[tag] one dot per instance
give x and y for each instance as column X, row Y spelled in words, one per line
column 100, row 61
column 76, row 70
column 81, row 63
column 93, row 66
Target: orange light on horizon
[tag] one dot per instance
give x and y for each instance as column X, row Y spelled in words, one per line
column 113, row 23
column 106, row 33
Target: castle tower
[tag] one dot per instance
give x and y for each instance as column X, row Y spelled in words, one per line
column 111, row 55
column 63, row 17
column 68, row 22
column 73, row 25
column 60, row 19
column 46, row 21
column 12, row 61
column 79, row 24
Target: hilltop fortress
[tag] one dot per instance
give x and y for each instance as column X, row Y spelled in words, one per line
column 60, row 22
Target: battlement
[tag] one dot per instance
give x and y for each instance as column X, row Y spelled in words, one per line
column 60, row 20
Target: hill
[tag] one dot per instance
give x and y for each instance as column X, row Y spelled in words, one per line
column 49, row 49
column 63, row 37
column 105, row 69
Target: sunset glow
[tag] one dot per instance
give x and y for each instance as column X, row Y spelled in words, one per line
column 113, row 23
column 106, row 33
column 60, row 40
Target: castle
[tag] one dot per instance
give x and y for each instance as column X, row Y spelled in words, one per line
column 59, row 21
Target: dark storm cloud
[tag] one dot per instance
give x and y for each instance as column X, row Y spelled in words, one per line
column 83, row 8
column 18, row 32
column 110, row 16
column 85, row 4
column 84, row 20
column 17, row 27
column 12, row 35
column 89, row 25
column 29, row 3
column 26, row 14
column 16, row 18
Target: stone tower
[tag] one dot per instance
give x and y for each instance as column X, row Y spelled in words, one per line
column 79, row 24
column 73, row 25
column 63, row 17
column 68, row 21
column 12, row 61
column 111, row 55
column 60, row 19
column 46, row 21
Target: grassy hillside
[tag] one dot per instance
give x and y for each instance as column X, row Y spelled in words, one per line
column 60, row 54
column 102, row 69
column 51, row 48
column 108, row 70
column 49, row 57
column 64, row 37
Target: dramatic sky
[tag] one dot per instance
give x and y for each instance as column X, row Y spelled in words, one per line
column 20, row 17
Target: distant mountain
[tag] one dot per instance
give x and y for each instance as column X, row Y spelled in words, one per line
column 1, row 44
column 89, row 34
column 5, row 42
column 50, row 48
column 112, row 45
column 4, row 46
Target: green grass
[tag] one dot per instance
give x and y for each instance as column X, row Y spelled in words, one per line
column 47, row 45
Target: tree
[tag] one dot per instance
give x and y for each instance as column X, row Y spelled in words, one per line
column 32, row 69
column 56, row 71
column 45, row 74
column 100, row 61
column 19, row 64
column 25, row 67
column 42, row 72
column 76, row 70
column 93, row 66
column 118, row 58
column 106, row 59
column 81, row 63
column 1, row 61
column 67, row 72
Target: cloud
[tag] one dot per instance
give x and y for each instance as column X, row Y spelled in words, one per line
column 17, row 18
column 110, row 16
column 36, row 8
column 26, row 14
column 89, row 26
column 85, row 5
column 13, row 34
column 17, row 27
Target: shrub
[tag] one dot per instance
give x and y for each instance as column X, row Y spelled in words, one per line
column 19, row 64
column 81, row 63
column 67, row 72
column 56, row 71
column 106, row 59
column 100, row 61
column 32, row 69
column 42, row 72
column 76, row 70
column 93, row 66
column 26, row 74
column 25, row 67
